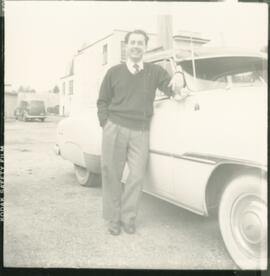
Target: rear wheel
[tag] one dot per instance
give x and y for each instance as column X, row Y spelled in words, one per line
column 243, row 221
column 86, row 178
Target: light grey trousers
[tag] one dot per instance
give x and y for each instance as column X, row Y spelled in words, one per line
column 121, row 145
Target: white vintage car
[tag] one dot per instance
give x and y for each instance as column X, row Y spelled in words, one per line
column 208, row 150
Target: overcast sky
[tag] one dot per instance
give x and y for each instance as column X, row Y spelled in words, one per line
column 42, row 36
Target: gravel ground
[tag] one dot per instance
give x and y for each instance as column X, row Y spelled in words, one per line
column 51, row 221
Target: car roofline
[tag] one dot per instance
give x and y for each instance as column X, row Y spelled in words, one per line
column 202, row 53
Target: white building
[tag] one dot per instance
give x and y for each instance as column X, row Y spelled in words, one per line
column 66, row 93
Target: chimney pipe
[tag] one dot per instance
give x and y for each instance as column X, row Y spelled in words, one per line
column 164, row 33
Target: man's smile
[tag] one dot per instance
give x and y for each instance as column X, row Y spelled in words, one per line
column 136, row 51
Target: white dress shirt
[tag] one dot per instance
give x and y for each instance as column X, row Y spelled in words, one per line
column 130, row 65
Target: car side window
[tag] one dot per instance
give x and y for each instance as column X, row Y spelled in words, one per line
column 240, row 79
column 223, row 72
column 246, row 78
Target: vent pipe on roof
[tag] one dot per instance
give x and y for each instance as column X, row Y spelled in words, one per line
column 164, row 32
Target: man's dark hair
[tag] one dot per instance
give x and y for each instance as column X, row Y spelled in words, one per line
column 141, row 32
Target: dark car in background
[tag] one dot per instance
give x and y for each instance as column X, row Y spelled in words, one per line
column 30, row 110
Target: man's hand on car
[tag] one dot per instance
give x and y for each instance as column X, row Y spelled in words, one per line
column 177, row 83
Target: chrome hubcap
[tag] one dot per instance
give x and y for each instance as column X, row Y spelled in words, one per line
column 253, row 223
column 249, row 224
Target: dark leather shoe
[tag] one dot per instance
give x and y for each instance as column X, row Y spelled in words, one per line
column 129, row 228
column 115, row 228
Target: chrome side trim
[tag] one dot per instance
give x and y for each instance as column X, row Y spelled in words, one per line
column 208, row 158
column 201, row 160
column 189, row 158
column 225, row 160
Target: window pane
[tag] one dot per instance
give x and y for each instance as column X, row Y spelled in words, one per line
column 70, row 87
column 105, row 54
column 64, row 88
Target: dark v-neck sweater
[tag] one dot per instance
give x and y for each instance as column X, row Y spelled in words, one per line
column 127, row 99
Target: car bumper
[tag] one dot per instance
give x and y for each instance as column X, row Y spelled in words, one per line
column 35, row 116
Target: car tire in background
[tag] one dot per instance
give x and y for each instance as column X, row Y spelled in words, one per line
column 86, row 178
column 24, row 118
column 243, row 221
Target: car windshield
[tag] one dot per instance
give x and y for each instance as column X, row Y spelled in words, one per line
column 224, row 72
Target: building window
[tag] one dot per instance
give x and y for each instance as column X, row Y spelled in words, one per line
column 64, row 88
column 123, row 51
column 70, row 92
column 105, row 54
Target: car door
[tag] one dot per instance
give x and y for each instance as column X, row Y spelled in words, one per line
column 173, row 133
column 216, row 123
column 220, row 121
column 161, row 155
column 190, row 172
column 159, row 178
column 199, row 114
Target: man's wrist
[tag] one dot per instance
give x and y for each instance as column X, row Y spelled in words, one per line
column 180, row 72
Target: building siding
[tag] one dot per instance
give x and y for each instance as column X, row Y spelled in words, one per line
column 66, row 95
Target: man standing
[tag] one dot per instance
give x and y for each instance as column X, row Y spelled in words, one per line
column 125, row 108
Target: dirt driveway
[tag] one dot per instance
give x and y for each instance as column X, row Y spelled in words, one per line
column 51, row 221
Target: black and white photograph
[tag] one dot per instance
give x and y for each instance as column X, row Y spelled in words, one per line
column 135, row 135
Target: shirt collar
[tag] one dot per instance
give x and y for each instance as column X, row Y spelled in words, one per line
column 130, row 64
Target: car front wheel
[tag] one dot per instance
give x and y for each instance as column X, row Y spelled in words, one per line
column 86, row 178
column 243, row 221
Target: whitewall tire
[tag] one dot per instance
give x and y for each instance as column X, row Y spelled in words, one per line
column 243, row 221
column 85, row 177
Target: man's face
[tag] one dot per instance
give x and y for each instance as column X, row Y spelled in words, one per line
column 136, row 47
